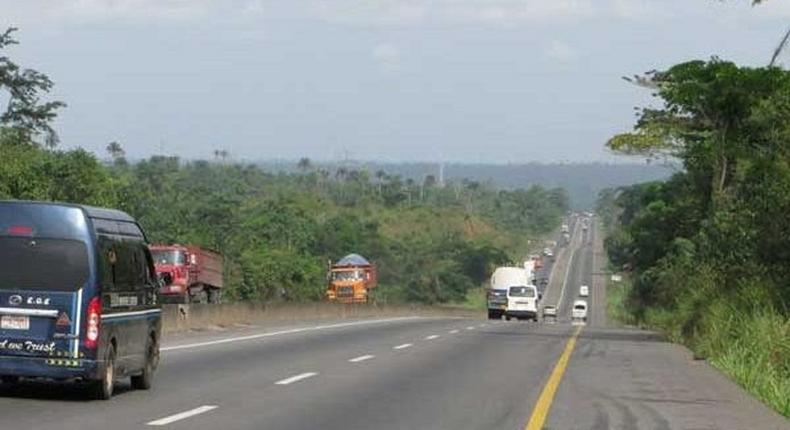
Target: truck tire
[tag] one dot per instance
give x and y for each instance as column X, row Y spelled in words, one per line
column 507, row 317
column 143, row 380
column 494, row 315
column 214, row 295
column 102, row 388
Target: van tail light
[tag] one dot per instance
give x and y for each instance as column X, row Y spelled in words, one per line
column 92, row 327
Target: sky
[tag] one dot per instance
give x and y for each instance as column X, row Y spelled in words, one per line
column 493, row 81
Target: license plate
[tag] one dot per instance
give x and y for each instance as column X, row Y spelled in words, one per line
column 12, row 322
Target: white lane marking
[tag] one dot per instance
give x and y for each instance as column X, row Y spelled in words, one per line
column 470, row 328
column 432, row 337
column 296, row 378
column 361, row 358
column 402, row 346
column 453, row 331
column 282, row 332
column 482, row 325
column 183, row 415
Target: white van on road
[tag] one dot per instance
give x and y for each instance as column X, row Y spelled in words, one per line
column 584, row 291
column 579, row 311
column 522, row 302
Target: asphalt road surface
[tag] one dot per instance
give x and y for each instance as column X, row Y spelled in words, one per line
column 418, row 373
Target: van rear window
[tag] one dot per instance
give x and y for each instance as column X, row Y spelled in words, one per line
column 43, row 247
column 522, row 292
column 38, row 220
column 42, row 264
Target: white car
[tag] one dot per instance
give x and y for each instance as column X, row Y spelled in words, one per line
column 549, row 314
column 579, row 312
column 584, row 291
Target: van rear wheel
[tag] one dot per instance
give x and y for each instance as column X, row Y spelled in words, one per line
column 102, row 388
column 144, row 380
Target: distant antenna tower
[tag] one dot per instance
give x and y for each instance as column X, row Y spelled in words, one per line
column 441, row 174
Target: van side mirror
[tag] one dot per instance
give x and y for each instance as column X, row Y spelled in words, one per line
column 540, row 296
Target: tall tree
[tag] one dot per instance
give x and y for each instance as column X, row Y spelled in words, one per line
column 25, row 111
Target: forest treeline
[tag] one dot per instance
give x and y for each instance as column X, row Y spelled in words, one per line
column 432, row 242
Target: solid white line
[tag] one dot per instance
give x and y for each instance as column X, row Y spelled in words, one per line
column 281, row 332
column 296, row 378
column 183, row 415
column 453, row 331
column 405, row 345
column 361, row 358
column 432, row 337
column 470, row 328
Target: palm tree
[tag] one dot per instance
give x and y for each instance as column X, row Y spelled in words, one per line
column 115, row 150
column 304, row 164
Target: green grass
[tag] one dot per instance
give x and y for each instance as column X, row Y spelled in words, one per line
column 616, row 302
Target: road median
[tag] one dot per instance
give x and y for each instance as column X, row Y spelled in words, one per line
column 180, row 318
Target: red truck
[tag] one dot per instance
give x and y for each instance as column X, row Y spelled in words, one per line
column 189, row 274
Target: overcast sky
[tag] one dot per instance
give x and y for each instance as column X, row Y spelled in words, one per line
column 457, row 80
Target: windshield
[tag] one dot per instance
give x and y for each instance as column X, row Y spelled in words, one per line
column 580, row 307
column 347, row 275
column 521, row 292
column 168, row 257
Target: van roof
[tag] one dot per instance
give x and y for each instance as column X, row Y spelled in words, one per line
column 91, row 211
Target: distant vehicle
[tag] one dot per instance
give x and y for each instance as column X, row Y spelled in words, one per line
column 565, row 228
column 548, row 252
column 584, row 291
column 351, row 279
column 566, row 239
column 537, row 262
column 522, row 302
column 579, row 312
column 78, row 294
column 549, row 314
column 189, row 274
column 501, row 280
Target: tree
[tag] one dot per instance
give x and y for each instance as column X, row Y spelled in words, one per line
column 704, row 120
column 304, row 164
column 25, row 111
column 116, row 152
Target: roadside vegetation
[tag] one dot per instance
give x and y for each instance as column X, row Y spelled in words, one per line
column 707, row 253
column 432, row 242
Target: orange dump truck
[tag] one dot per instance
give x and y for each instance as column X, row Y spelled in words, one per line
column 351, row 279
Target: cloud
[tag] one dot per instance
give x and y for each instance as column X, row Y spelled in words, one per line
column 561, row 52
column 387, row 56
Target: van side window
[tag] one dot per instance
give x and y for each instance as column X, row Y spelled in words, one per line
column 107, row 260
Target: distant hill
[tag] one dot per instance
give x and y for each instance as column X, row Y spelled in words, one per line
column 583, row 181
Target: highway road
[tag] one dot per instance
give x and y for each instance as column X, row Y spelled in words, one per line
column 417, row 373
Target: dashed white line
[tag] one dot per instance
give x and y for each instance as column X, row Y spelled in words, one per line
column 482, row 325
column 361, row 358
column 432, row 337
column 402, row 346
column 470, row 328
column 454, row 331
column 183, row 415
column 296, row 378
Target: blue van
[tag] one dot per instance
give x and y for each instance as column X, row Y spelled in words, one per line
column 78, row 296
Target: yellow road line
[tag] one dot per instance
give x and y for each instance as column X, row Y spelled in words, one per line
column 543, row 406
